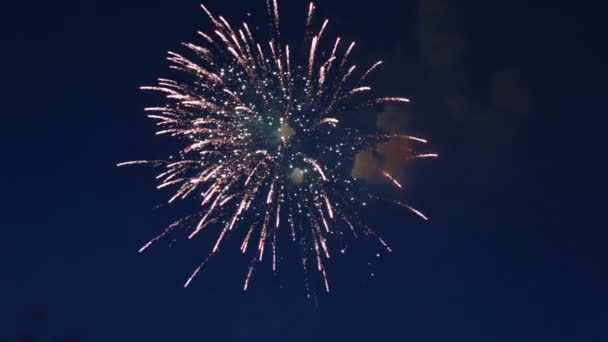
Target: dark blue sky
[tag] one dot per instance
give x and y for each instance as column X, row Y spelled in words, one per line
column 509, row 94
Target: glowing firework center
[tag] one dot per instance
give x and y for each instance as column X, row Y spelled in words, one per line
column 297, row 176
column 286, row 132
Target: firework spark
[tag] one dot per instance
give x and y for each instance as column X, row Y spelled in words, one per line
column 264, row 141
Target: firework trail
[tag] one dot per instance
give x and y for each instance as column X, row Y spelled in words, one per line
column 264, row 148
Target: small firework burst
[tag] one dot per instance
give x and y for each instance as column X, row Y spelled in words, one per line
column 265, row 151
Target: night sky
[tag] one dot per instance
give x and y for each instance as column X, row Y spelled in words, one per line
column 508, row 93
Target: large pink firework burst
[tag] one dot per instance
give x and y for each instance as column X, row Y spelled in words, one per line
column 264, row 150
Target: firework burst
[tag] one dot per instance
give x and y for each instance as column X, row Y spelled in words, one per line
column 264, row 148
